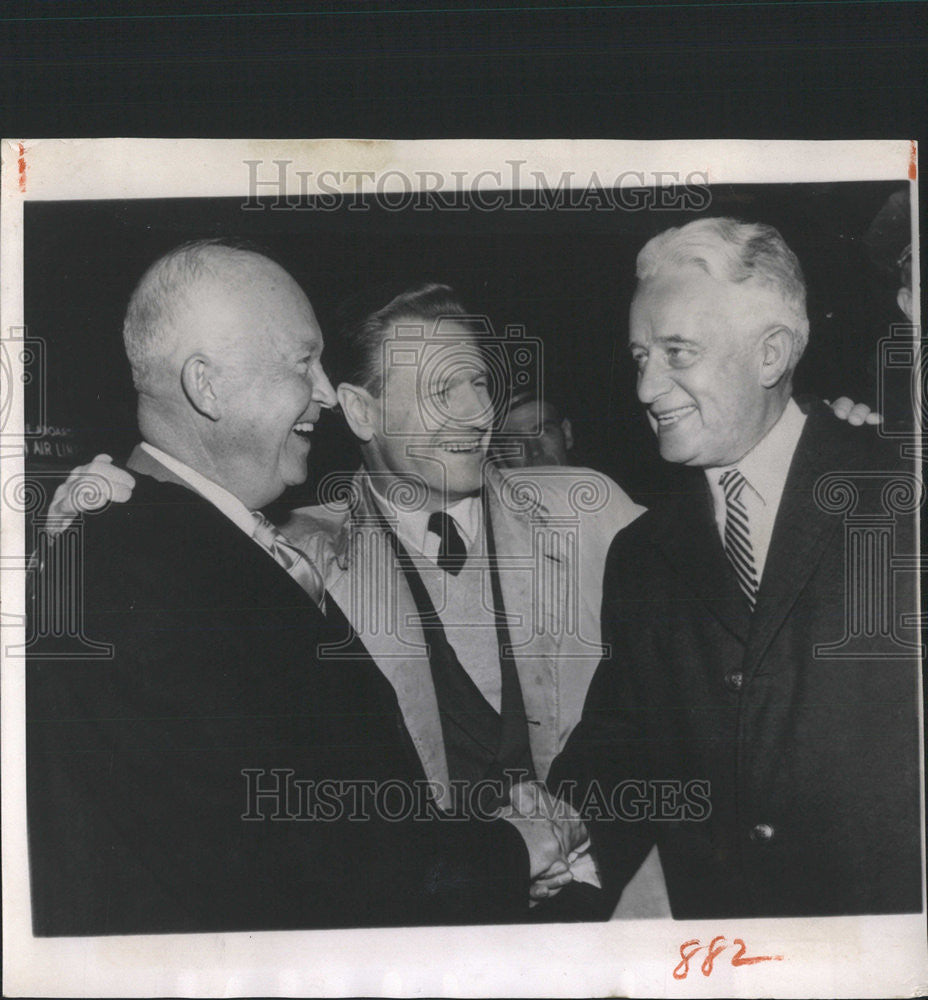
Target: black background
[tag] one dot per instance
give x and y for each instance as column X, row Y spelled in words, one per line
column 417, row 69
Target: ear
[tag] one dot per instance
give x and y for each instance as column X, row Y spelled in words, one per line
column 776, row 347
column 196, row 378
column 904, row 301
column 360, row 410
column 568, row 432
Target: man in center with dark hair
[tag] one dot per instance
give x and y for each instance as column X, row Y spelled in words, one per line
column 459, row 578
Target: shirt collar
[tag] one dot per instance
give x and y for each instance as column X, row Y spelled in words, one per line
column 412, row 526
column 222, row 499
column 766, row 465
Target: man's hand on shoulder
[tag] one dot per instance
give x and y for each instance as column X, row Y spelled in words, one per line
column 89, row 488
column 856, row 414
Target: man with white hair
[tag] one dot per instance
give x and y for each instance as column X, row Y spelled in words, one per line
column 239, row 763
column 757, row 714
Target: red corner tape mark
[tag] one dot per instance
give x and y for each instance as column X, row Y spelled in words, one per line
column 913, row 162
column 22, row 168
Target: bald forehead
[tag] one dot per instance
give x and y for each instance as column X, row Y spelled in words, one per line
column 241, row 275
column 242, row 298
column 239, row 272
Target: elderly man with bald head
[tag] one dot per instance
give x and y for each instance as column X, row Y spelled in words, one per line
column 239, row 762
column 757, row 715
column 225, row 353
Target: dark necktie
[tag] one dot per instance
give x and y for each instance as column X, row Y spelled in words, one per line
column 738, row 546
column 452, row 553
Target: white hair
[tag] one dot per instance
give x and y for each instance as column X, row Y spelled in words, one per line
column 150, row 327
column 736, row 252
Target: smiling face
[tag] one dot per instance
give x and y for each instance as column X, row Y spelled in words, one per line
column 435, row 415
column 698, row 345
column 270, row 383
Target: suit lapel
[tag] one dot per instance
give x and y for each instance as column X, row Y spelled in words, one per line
column 373, row 593
column 800, row 538
column 535, row 607
column 686, row 532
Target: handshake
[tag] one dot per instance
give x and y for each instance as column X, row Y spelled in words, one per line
column 557, row 840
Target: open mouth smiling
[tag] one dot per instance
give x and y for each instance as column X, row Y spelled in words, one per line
column 670, row 418
column 464, row 446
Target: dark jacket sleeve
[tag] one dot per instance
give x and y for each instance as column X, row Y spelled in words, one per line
column 607, row 752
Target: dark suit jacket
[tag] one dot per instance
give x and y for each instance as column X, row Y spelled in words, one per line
column 135, row 765
column 810, row 761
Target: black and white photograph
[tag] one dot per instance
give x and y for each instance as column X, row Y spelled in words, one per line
column 418, row 554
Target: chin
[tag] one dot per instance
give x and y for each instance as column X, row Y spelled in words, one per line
column 678, row 454
column 296, row 476
column 462, row 486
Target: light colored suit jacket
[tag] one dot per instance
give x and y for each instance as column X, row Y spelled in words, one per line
column 552, row 526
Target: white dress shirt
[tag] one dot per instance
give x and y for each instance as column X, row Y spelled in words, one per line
column 765, row 468
column 460, row 599
column 412, row 527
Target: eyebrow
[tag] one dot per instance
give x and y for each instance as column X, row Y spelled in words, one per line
column 674, row 339
column 465, row 369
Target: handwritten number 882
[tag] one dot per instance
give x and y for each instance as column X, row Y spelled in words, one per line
column 716, row 946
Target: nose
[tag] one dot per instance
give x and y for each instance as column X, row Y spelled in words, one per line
column 323, row 393
column 652, row 381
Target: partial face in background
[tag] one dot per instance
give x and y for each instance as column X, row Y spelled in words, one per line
column 698, row 346
column 538, row 432
column 435, row 413
column 271, row 383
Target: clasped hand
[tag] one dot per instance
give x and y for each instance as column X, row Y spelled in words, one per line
column 552, row 830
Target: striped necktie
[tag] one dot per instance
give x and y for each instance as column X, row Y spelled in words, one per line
column 738, row 534
column 290, row 557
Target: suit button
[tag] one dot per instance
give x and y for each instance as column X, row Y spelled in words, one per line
column 734, row 680
column 762, row 832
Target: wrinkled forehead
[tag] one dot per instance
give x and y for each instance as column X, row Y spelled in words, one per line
column 686, row 301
